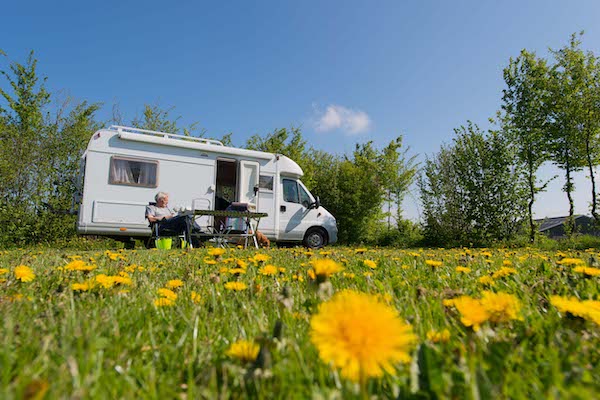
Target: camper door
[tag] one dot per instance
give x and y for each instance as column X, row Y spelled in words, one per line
column 248, row 184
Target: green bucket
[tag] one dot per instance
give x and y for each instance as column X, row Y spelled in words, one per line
column 164, row 243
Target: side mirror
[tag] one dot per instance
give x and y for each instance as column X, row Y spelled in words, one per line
column 317, row 203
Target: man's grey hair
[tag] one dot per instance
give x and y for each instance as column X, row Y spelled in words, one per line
column 160, row 195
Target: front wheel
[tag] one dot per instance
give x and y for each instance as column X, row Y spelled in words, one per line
column 315, row 238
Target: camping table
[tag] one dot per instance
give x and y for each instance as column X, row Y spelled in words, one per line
column 251, row 219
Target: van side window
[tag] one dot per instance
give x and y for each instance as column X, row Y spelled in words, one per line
column 290, row 191
column 304, row 197
column 127, row 171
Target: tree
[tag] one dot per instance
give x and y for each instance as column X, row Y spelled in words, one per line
column 290, row 143
column 525, row 123
column 577, row 78
column 567, row 118
column 398, row 173
column 40, row 149
column 155, row 118
column 472, row 192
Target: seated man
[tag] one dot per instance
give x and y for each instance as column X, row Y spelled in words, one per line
column 168, row 222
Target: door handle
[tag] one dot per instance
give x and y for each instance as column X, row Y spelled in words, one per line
column 282, row 208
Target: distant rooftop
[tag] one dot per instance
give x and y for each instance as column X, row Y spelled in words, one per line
column 549, row 223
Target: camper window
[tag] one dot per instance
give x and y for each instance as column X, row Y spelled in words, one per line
column 265, row 182
column 290, row 191
column 125, row 171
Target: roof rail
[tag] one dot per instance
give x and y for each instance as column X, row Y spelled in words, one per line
column 166, row 135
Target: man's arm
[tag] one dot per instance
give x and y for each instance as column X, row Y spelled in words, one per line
column 152, row 218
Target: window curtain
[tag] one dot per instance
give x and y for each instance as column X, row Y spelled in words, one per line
column 121, row 171
column 147, row 175
column 133, row 172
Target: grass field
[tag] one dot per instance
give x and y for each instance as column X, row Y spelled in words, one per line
column 463, row 323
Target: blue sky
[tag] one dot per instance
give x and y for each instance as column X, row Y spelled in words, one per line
column 345, row 71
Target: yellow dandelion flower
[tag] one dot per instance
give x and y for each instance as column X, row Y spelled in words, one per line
column 196, row 298
column 216, row 252
column 571, row 261
column 360, row 335
column 589, row 271
column 349, row 275
column 404, row 266
column 24, row 273
column 433, row 263
column 82, row 287
column 236, row 286
column 241, row 264
column 268, row 270
column 501, row 307
column 503, row 272
column 163, row 302
column 121, row 280
column 244, row 350
column 367, row 274
column 3, row 271
column 79, row 265
column 464, row 270
column 586, row 309
column 438, row 336
column 472, row 312
column 360, row 250
column 236, row 271
column 167, row 293
column 208, row 261
column 261, row 258
column 507, row 263
column 106, row 281
column 325, row 267
column 174, row 283
column 487, row 280
column 369, row 263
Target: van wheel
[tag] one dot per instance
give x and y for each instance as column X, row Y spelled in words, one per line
column 315, row 238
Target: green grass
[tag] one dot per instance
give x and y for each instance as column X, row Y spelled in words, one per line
column 115, row 343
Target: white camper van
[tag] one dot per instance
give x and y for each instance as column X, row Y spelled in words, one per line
column 123, row 168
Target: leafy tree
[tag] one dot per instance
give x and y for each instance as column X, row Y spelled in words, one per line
column 471, row 191
column 41, row 153
column 290, row 143
column 577, row 112
column 567, row 139
column 155, row 118
column 398, row 173
column 525, row 123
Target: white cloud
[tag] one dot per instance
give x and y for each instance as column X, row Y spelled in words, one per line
column 339, row 117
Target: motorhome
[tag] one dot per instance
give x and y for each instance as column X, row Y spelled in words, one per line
column 123, row 168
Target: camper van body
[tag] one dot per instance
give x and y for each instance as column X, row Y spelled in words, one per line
column 123, row 168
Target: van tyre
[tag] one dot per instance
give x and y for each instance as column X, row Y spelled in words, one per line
column 315, row 238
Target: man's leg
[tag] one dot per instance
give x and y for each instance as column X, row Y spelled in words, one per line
column 177, row 225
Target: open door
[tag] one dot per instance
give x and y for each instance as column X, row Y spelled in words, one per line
column 248, row 184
